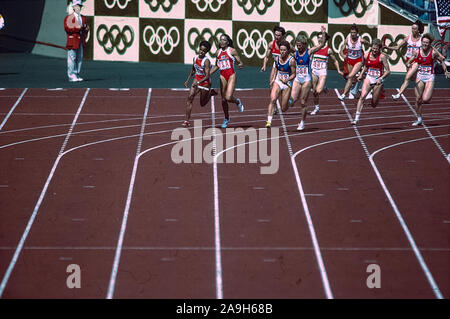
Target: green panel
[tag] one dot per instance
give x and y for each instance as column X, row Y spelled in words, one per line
column 308, row 11
column 165, row 5
column 118, row 8
column 344, row 8
column 88, row 53
column 251, row 6
column 161, row 40
column 206, row 9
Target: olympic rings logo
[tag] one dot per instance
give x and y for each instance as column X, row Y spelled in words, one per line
column 250, row 5
column 338, row 40
column 161, row 37
column 166, row 5
column 195, row 37
column 116, row 2
column 253, row 43
column 391, row 41
column 203, row 5
column 298, row 6
column 359, row 7
column 114, row 37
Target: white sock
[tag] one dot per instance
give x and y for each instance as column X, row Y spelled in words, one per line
column 317, row 106
column 419, row 119
column 358, row 114
column 269, row 118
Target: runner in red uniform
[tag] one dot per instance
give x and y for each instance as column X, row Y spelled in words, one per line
column 425, row 58
column 377, row 67
column 354, row 59
column 413, row 43
column 201, row 68
column 225, row 58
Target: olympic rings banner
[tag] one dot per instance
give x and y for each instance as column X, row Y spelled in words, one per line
column 170, row 31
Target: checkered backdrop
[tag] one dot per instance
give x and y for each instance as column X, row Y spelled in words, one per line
column 171, row 30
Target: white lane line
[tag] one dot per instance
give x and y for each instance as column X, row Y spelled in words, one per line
column 171, row 220
column 262, row 220
column 258, row 188
column 174, row 187
column 355, row 221
column 205, row 248
column 89, row 186
column 113, row 277
column 312, row 232
column 12, row 109
column 411, row 240
column 342, row 189
column 446, row 221
column 332, row 160
column 218, row 249
column 364, row 146
column 41, row 198
column 439, row 146
column 4, row 186
column 316, row 195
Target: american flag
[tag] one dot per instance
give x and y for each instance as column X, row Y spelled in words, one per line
column 443, row 15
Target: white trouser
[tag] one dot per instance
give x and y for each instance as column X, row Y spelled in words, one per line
column 74, row 61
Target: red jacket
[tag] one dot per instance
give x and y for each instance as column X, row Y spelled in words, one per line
column 73, row 30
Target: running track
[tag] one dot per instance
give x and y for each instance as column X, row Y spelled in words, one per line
column 87, row 179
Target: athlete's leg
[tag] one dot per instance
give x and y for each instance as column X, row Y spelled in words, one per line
column 353, row 70
column 409, row 75
column 376, row 93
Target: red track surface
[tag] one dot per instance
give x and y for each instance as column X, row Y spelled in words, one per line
column 169, row 237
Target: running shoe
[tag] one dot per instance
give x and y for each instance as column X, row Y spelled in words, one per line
column 186, row 124
column 369, row 96
column 325, row 90
column 225, row 123
column 275, row 112
column 341, row 97
column 301, row 126
column 395, row 96
column 268, row 124
column 418, row 122
column 79, row 79
column 213, row 92
column 240, row 106
column 354, row 122
column 315, row 111
column 351, row 96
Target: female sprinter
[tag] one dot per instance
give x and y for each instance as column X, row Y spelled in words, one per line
column 302, row 83
column 201, row 68
column 226, row 56
column 354, row 60
column 283, row 73
column 377, row 67
column 413, row 44
column 425, row 58
column 319, row 66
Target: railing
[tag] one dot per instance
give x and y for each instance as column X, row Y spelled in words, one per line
column 423, row 9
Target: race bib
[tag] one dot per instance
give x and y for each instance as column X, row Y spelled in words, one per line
column 425, row 69
column 283, row 76
column 374, row 72
column 354, row 54
column 302, row 70
column 224, row 64
column 319, row 65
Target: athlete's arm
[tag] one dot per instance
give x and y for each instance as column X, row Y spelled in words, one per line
column 399, row 45
column 387, row 69
column 191, row 73
column 437, row 55
column 237, row 57
column 266, row 58
column 411, row 60
column 320, row 45
column 336, row 62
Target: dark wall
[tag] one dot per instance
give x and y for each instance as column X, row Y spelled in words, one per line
column 22, row 21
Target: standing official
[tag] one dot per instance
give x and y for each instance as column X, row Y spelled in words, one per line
column 76, row 29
